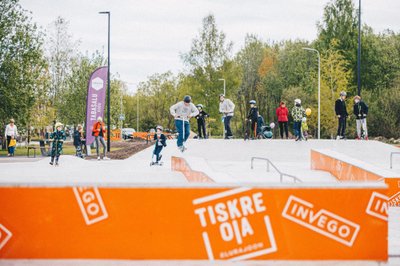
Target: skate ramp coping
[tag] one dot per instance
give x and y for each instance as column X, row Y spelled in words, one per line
column 346, row 168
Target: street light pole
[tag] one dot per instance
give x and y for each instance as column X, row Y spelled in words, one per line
column 137, row 113
column 319, row 88
column 108, row 85
column 224, row 86
column 359, row 50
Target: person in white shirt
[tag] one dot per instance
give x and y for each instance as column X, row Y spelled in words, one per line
column 182, row 112
column 11, row 133
column 226, row 107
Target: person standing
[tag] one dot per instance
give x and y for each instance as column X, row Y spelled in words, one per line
column 341, row 113
column 282, row 114
column 201, row 122
column 99, row 131
column 78, row 136
column 182, row 112
column 252, row 118
column 360, row 110
column 11, row 133
column 298, row 113
column 58, row 137
column 227, row 108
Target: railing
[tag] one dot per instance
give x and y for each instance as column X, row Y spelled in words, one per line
column 391, row 158
column 295, row 179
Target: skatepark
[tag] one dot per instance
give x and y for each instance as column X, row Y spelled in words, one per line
column 278, row 167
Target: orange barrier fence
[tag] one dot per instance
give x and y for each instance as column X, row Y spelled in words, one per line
column 349, row 169
column 180, row 165
column 193, row 223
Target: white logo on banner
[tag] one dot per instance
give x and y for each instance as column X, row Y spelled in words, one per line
column 91, row 204
column 323, row 222
column 230, row 220
column 97, row 83
column 5, row 235
column 378, row 206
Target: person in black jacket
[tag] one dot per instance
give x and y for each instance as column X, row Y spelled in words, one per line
column 341, row 112
column 360, row 110
column 161, row 141
column 201, row 122
column 78, row 137
column 253, row 117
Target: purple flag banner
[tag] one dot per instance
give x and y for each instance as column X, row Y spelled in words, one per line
column 96, row 98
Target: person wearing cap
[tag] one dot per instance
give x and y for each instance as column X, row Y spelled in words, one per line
column 282, row 114
column 58, row 137
column 161, row 142
column 201, row 122
column 11, row 133
column 252, row 118
column 99, row 131
column 226, row 107
column 341, row 113
column 182, row 112
column 298, row 113
column 360, row 110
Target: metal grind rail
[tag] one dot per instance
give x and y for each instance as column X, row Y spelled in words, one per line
column 281, row 174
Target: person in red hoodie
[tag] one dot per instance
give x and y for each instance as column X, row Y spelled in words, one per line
column 99, row 131
column 282, row 113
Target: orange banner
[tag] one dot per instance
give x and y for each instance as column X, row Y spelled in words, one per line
column 193, row 223
column 345, row 171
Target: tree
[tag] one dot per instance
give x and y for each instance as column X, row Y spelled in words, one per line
column 72, row 100
column 60, row 56
column 249, row 59
column 208, row 61
column 22, row 64
column 339, row 25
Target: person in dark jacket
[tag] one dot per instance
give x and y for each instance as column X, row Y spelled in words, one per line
column 253, row 117
column 201, row 122
column 78, row 136
column 161, row 142
column 282, row 113
column 341, row 113
column 360, row 110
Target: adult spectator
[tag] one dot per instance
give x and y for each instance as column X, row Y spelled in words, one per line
column 341, row 113
column 360, row 110
column 99, row 131
column 282, row 114
column 11, row 133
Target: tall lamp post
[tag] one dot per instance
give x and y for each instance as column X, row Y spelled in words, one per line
column 224, row 86
column 319, row 89
column 359, row 50
column 108, row 85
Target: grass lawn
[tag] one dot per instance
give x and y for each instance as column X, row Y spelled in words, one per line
column 68, row 149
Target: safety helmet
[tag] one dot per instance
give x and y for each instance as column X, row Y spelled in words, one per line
column 297, row 101
column 199, row 105
column 160, row 128
column 187, row 99
column 343, row 93
column 252, row 102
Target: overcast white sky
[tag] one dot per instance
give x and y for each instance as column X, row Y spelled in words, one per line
column 147, row 36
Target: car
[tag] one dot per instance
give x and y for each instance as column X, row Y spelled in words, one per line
column 127, row 133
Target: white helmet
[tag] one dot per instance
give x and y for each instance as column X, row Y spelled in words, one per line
column 297, row 101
